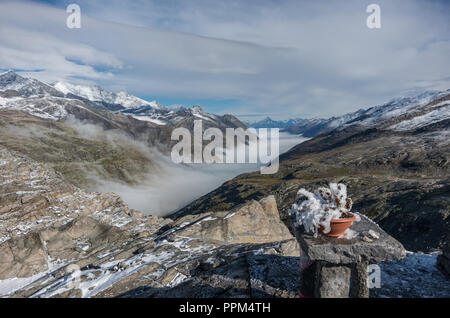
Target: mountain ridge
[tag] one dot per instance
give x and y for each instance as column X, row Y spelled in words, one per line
column 270, row 123
column 26, row 92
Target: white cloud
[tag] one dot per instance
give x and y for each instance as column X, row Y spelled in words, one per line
column 283, row 57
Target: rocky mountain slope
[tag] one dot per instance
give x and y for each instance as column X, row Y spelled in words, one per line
column 13, row 85
column 394, row 159
column 112, row 136
column 60, row 241
column 317, row 126
column 140, row 109
column 81, row 153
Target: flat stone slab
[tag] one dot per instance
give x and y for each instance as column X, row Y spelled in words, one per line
column 355, row 250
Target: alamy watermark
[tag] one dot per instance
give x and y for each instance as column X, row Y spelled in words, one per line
column 238, row 146
column 374, row 276
column 74, row 19
column 374, row 19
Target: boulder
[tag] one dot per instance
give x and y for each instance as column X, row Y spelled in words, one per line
column 78, row 237
column 251, row 222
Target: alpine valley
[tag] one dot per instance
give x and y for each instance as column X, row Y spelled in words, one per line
column 92, row 206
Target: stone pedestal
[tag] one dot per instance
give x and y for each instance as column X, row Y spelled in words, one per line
column 338, row 267
column 328, row 280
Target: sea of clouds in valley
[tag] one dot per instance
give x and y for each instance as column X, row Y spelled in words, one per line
column 168, row 186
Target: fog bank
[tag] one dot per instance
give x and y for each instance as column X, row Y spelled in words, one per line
column 173, row 186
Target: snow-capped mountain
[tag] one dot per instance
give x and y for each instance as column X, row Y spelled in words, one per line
column 57, row 101
column 87, row 102
column 403, row 113
column 14, row 85
column 34, row 97
column 96, row 93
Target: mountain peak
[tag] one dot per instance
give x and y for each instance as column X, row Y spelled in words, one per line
column 9, row 77
column 197, row 109
column 9, row 72
column 96, row 93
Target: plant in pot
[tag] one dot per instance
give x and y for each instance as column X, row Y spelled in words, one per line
column 325, row 211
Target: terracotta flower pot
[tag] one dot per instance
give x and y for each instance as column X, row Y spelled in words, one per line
column 338, row 226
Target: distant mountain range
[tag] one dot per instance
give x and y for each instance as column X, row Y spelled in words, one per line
column 403, row 107
column 270, row 123
column 57, row 101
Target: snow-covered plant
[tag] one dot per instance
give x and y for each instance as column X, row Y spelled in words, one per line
column 321, row 207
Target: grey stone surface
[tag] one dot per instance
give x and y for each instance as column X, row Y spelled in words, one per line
column 345, row 251
column 333, row 281
column 233, row 271
column 328, row 280
column 274, row 276
column 416, row 276
column 22, row 257
column 358, row 284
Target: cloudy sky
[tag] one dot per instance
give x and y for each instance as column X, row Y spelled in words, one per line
column 277, row 58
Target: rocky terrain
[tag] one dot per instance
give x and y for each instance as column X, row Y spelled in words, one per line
column 316, row 126
column 60, row 241
column 416, row 276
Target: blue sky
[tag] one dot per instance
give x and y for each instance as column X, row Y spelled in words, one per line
column 284, row 58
